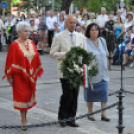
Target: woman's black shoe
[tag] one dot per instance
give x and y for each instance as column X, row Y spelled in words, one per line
column 91, row 118
column 105, row 119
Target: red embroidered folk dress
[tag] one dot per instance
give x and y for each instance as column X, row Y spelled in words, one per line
column 24, row 65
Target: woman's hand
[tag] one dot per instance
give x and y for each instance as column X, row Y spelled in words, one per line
column 10, row 80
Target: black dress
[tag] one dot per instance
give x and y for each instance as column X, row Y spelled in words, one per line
column 110, row 36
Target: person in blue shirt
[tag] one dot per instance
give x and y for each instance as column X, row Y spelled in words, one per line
column 132, row 53
column 128, row 47
column 61, row 23
column 57, row 28
column 42, row 29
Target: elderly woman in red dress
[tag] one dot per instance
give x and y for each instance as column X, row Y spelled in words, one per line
column 22, row 68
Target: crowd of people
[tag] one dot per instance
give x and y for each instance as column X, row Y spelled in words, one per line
column 46, row 26
column 98, row 33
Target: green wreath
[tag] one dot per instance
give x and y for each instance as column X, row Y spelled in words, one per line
column 72, row 66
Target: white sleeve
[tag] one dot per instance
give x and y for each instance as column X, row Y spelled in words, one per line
column 97, row 20
column 56, row 20
column 55, row 50
column 48, row 24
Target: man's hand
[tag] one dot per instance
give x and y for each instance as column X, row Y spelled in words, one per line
column 66, row 53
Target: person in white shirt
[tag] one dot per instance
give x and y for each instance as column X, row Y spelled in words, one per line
column 85, row 20
column 62, row 43
column 18, row 17
column 101, row 20
column 36, row 20
column 23, row 17
column 77, row 15
column 1, row 29
column 123, row 19
column 112, row 12
column 92, row 18
column 78, row 29
column 63, row 12
column 50, row 25
column 48, row 13
column 129, row 22
column 127, row 11
column 33, row 28
column 56, row 14
column 3, row 38
column 13, row 19
column 28, row 18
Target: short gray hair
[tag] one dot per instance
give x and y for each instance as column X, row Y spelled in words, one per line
column 103, row 8
column 21, row 25
column 92, row 14
column 69, row 17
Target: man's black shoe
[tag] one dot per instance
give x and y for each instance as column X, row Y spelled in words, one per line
column 63, row 124
column 72, row 124
column 115, row 63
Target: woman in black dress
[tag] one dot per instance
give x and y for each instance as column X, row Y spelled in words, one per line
column 109, row 28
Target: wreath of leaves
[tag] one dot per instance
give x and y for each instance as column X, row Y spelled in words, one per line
column 75, row 78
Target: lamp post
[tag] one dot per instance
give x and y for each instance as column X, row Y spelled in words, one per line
column 37, row 4
column 53, row 5
column 120, row 93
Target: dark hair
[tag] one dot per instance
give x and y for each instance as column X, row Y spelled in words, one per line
column 129, row 14
column 84, row 28
column 62, row 16
column 31, row 21
column 120, row 18
column 129, row 29
column 86, row 15
column 23, row 15
column 89, row 29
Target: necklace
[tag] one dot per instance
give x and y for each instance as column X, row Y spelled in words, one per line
column 24, row 42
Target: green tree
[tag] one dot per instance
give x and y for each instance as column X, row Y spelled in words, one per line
column 15, row 2
column 95, row 5
column 58, row 4
column 33, row 4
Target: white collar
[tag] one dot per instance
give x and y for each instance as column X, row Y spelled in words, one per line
column 70, row 32
column 103, row 15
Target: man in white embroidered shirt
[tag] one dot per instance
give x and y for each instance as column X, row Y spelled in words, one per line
column 1, row 29
column 62, row 43
column 51, row 20
column 101, row 20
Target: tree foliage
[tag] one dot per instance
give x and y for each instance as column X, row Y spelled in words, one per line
column 33, row 4
column 58, row 4
column 91, row 5
column 95, row 5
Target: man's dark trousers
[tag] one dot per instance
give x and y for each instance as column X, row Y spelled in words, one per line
column 50, row 36
column 68, row 102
